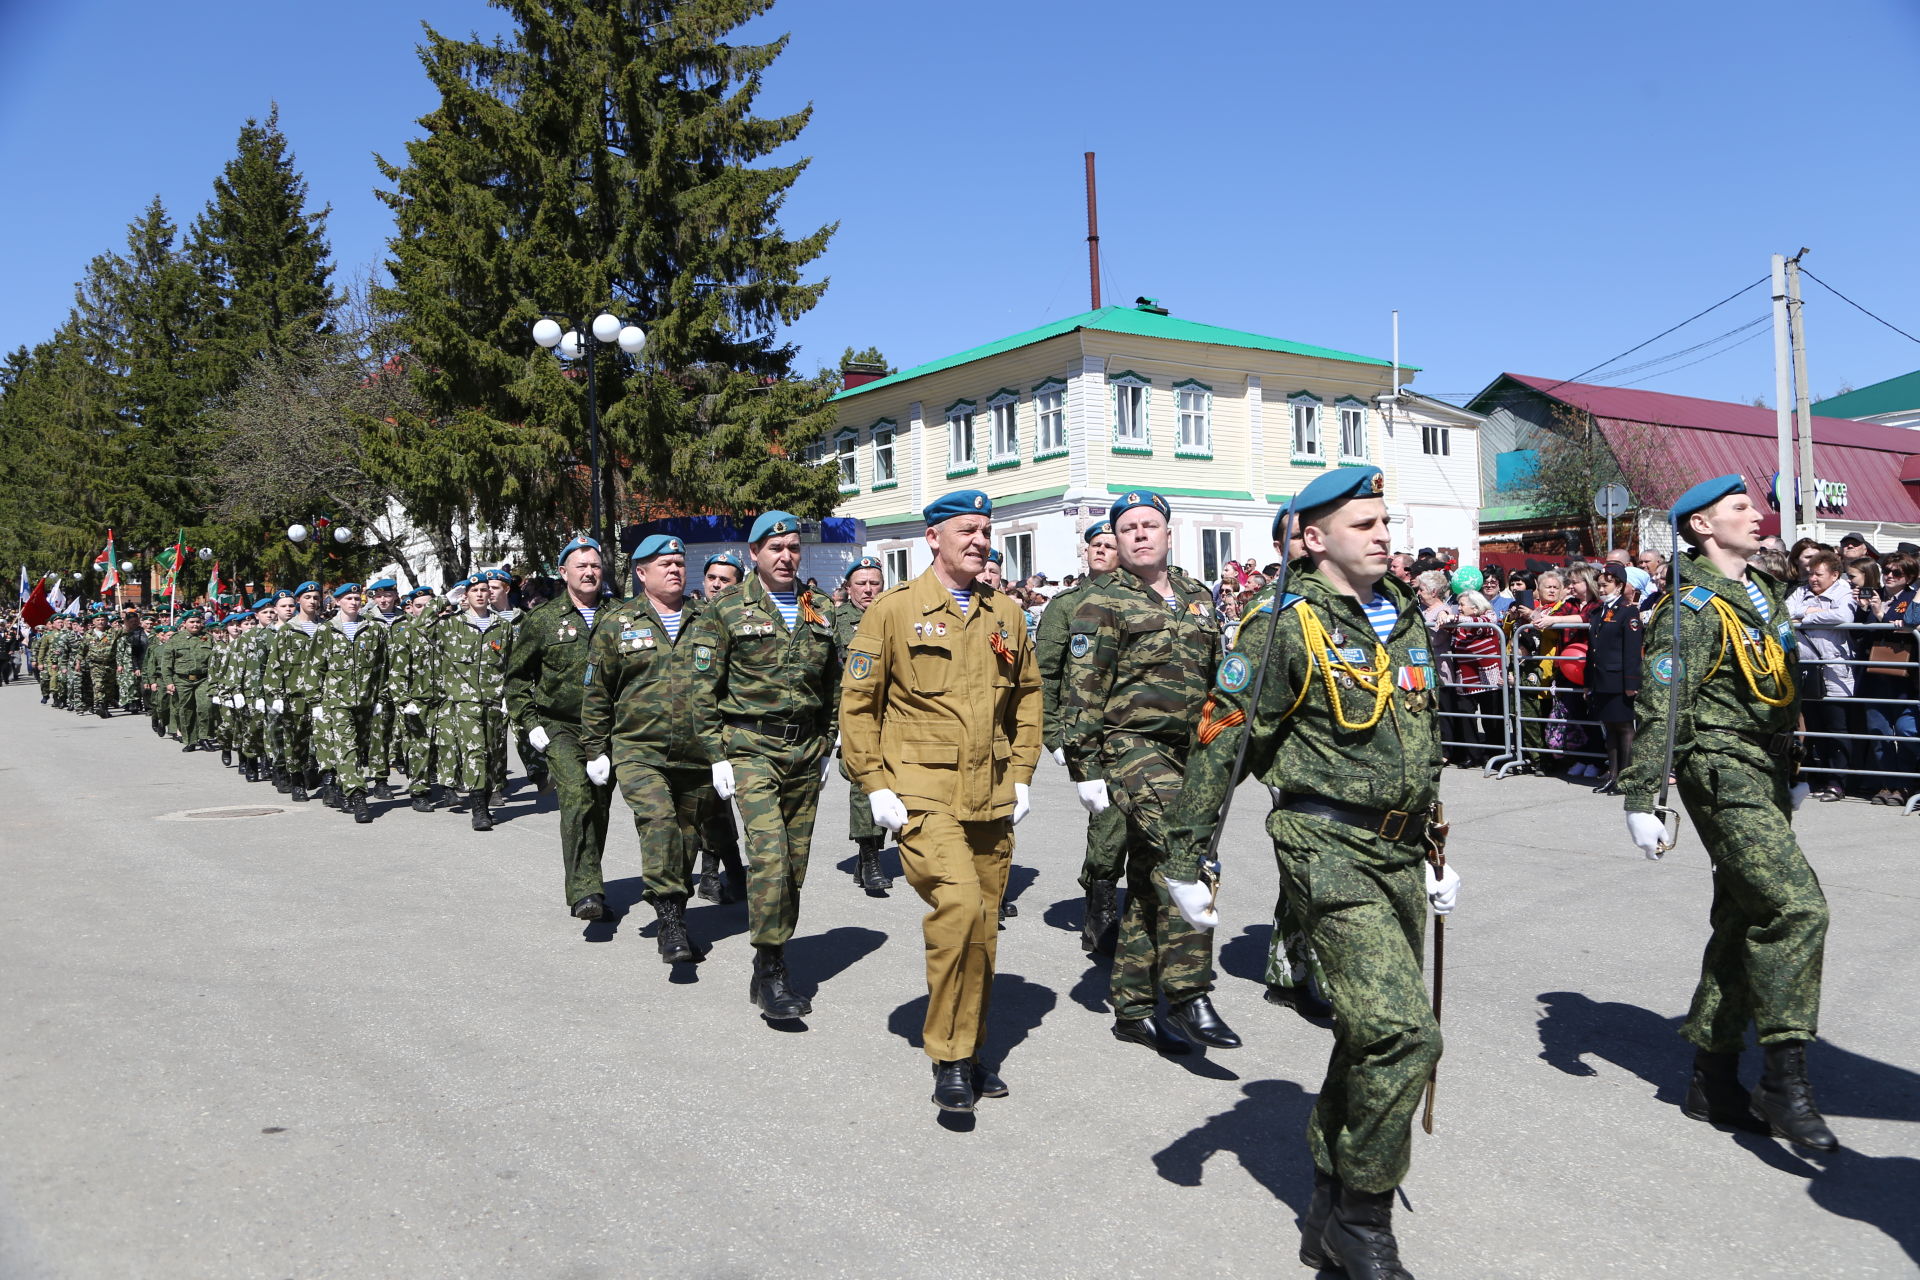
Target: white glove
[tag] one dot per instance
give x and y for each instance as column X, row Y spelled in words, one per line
column 1443, row 890
column 1195, row 902
column 723, row 780
column 538, row 737
column 259, row 704
column 411, row 709
column 279, row 705
column 319, row 715
column 1094, row 796
column 1021, row 805
column 826, row 767
column 1059, row 755
column 379, row 708
column 1648, row 832
column 599, row 769
column 888, row 810
column 1798, row 795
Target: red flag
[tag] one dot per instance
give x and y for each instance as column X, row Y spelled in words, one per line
column 112, row 562
column 35, row 610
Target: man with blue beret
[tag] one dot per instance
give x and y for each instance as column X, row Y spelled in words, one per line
column 222, row 675
column 292, row 690
column 864, row 579
column 1107, row 830
column 1719, row 675
column 994, row 573
column 350, row 673
column 412, row 695
column 723, row 876
column 1143, row 643
column 940, row 726
column 465, row 663
column 1334, row 684
column 383, row 601
column 256, row 741
column 767, row 688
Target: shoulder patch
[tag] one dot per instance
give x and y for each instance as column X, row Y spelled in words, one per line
column 1234, row 674
column 1696, row 598
column 860, row 666
column 1663, row 668
column 1080, row 645
column 702, row 657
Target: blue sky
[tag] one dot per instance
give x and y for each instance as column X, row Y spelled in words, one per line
column 1536, row 186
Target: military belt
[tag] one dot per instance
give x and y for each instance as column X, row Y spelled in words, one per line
column 788, row 731
column 1396, row 826
column 1780, row 746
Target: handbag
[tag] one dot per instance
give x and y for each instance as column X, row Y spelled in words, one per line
column 1812, row 681
column 1886, row 649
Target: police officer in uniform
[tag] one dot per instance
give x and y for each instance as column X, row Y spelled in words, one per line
column 864, row 579
column 940, row 725
column 1346, row 737
column 1736, row 704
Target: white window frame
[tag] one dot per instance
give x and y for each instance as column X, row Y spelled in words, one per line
column 1003, row 412
column 1052, row 390
column 1194, row 438
column 1016, row 551
column 1305, row 429
column 1132, row 430
column 846, row 456
column 1216, row 544
column 1358, row 408
column 886, row 474
column 962, row 430
column 899, row 562
column 1436, row 440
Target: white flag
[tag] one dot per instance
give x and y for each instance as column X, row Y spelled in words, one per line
column 57, row 599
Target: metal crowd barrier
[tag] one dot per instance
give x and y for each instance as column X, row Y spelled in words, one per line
column 1552, row 689
column 1875, row 744
column 1504, row 715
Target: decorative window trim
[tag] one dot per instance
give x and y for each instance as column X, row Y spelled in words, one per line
column 892, row 432
column 1183, row 450
column 1049, row 455
column 1003, row 464
column 956, row 410
column 1343, row 406
column 1009, row 399
column 954, row 473
column 1294, row 403
column 1143, row 444
column 1049, row 386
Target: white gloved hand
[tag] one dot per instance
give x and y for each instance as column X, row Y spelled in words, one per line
column 1021, row 802
column 319, row 715
column 279, row 705
column 723, row 780
column 1195, row 902
column 1094, row 796
column 259, row 704
column 1443, row 890
column 888, row 810
column 599, row 769
column 1059, row 755
column 538, row 737
column 379, row 708
column 1648, row 832
column 411, row 709
column 826, row 768
column 1798, row 795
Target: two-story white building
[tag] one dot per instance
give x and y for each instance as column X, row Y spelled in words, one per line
column 1054, row 422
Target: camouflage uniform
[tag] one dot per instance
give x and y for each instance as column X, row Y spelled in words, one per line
column 768, row 697
column 860, row 823
column 1361, row 891
column 219, row 687
column 547, row 675
column 1733, row 762
column 42, row 667
column 383, row 750
column 129, row 649
column 250, row 664
column 289, row 677
column 410, row 683
column 185, row 668
column 73, row 666
column 102, row 671
column 349, row 670
column 1137, row 673
column 156, row 692
column 468, row 661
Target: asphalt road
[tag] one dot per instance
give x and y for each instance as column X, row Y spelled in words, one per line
column 286, row 1046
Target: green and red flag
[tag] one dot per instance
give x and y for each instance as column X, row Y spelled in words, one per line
column 171, row 559
column 111, row 563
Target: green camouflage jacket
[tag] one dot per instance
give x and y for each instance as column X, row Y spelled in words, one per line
column 641, row 689
column 1050, row 651
column 546, row 673
column 289, row 674
column 350, row 670
column 1719, row 709
column 156, row 655
column 250, row 663
column 469, row 664
column 410, row 656
column 751, row 666
column 100, row 650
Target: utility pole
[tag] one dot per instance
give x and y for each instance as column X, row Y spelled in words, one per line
column 1784, row 488
column 1803, row 403
column 1093, row 234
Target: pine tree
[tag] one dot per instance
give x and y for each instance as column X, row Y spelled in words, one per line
column 602, row 157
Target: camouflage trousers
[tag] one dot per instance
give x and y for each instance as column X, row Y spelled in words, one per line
column 777, row 789
column 583, row 813
column 1106, row 857
column 1291, row 961
column 252, row 740
column 668, row 803
column 294, row 737
column 413, row 749
column 860, row 823
column 341, row 742
column 470, row 746
column 1363, row 901
column 1764, row 958
column 383, row 742
column 106, row 683
column 128, row 679
column 959, row 869
column 79, row 691
column 1157, row 951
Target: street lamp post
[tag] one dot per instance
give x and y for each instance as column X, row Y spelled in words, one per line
column 607, row 328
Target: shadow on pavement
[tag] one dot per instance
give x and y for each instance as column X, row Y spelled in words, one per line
column 1880, row 1191
column 1019, row 880
column 1017, row 1010
column 1090, row 992
column 1262, row 1131
column 1246, row 956
column 819, row 958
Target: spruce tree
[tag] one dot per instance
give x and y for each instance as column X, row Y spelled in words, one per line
column 602, row 157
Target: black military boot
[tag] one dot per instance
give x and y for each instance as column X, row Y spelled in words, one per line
column 987, row 1082
column 382, row 790
column 1150, row 1033
column 1197, row 1020
column 866, row 869
column 281, row 782
column 1101, row 921
column 159, row 729
column 1784, row 1098
column 735, row 889
column 707, row 885
column 953, row 1085
column 357, row 802
column 1715, row 1095
column 671, row 931
column 297, row 788
column 1358, row 1237
column 1312, row 1252
column 769, row 988
column 423, row 802
column 1304, row 998
column 591, row 907
column 482, row 816
column 189, row 746
column 104, row 714
column 226, row 756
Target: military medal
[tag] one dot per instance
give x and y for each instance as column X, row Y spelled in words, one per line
column 997, row 641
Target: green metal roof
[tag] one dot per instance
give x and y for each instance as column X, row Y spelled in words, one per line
column 1128, row 320
column 1892, row 396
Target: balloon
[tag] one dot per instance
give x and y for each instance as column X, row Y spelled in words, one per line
column 1467, row 578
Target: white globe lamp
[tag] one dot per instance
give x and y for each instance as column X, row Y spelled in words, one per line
column 632, row 339
column 606, row 327
column 296, row 533
column 546, row 332
column 570, row 345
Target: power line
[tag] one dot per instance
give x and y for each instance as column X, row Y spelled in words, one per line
column 1689, row 364
column 1856, row 306
column 1656, row 337
column 1687, row 351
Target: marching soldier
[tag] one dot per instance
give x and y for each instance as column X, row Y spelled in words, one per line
column 383, row 596
column 1717, row 712
column 767, row 692
column 249, row 658
column 865, row 577
column 940, row 723
column 156, row 693
column 292, row 691
column 74, row 662
column 408, row 693
column 1336, row 693
column 723, row 876
column 102, row 672
column 547, row 674
column 184, row 673
column 1107, row 830
column 129, row 656
column 640, row 723
column 349, row 673
column 222, row 681
column 500, row 595
column 1142, row 649
column 468, row 659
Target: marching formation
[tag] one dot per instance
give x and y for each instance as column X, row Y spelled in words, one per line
column 935, row 704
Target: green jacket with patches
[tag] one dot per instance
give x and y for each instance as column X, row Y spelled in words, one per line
column 546, row 673
column 756, row 668
column 350, row 670
column 1299, row 744
column 1136, row 668
column 1720, row 709
column 641, row 687
column 1050, row 651
column 410, row 656
column 468, row 664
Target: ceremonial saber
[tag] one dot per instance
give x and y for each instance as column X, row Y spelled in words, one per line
column 1437, row 855
column 1670, row 834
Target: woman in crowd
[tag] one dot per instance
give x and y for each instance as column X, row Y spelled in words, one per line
column 1892, row 721
column 1614, row 641
column 1803, row 551
column 1817, row 606
column 1432, row 590
column 1570, row 702
column 1478, row 679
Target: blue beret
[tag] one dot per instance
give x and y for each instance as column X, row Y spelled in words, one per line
column 346, row 589
column 305, row 587
column 962, row 502
column 283, row 594
column 864, row 562
column 994, row 557
column 384, row 584
column 659, row 544
column 464, row 583
column 416, row 593
column 1705, row 494
column 1138, row 498
column 724, row 557
column 262, row 603
column 581, row 542
column 1095, row 530
column 773, row 523
column 1337, row 485
column 237, row 615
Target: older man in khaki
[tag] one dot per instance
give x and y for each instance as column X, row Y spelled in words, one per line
column 940, row 728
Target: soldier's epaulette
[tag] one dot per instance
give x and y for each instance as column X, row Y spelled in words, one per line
column 1697, row 598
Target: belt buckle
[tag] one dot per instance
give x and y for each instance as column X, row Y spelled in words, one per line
column 790, row 734
column 1399, row 828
